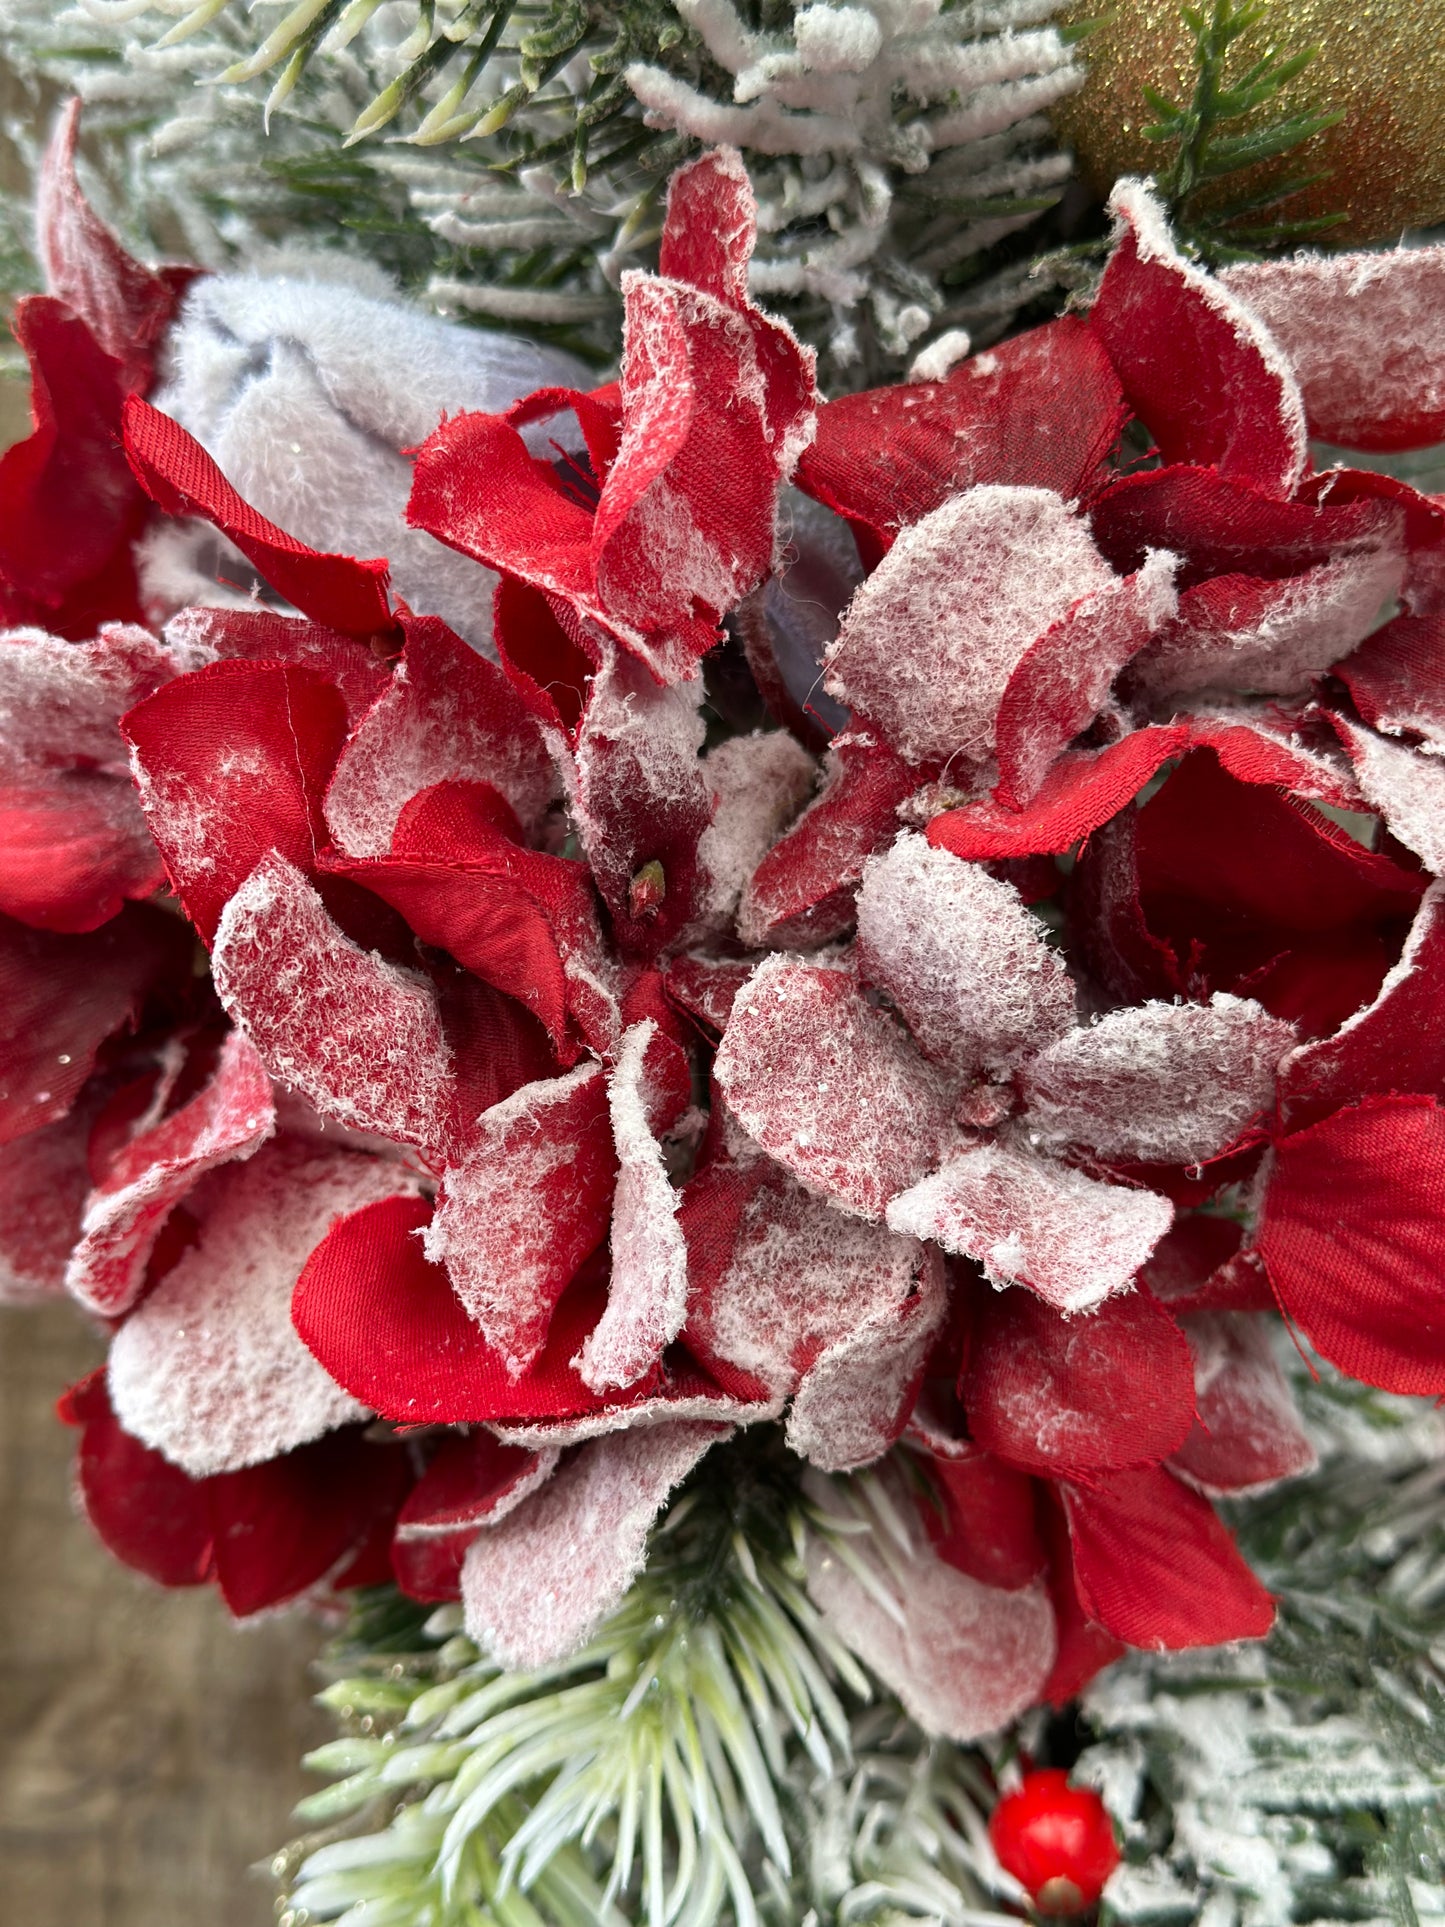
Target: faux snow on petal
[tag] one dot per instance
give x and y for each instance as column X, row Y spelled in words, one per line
column 1248, row 1435
column 230, row 1119
column 1405, row 786
column 1161, row 1083
column 963, row 1657
column 60, row 702
column 929, row 641
column 647, row 1296
column 1062, row 681
column 856, row 1114
column 1365, row 335
column 961, row 958
column 528, row 1204
column 855, row 1398
column 209, row 1370
column 448, row 715
column 356, row 1035
column 1205, row 375
column 760, row 783
column 1029, row 1221
column 1240, row 632
column 535, row 1587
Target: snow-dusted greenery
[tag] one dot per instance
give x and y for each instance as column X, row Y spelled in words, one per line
column 1304, row 1779
column 714, row 1754
column 508, row 161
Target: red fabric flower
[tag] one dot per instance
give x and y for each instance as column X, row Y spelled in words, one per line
column 512, row 1092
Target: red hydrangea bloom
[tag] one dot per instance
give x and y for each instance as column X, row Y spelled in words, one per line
column 516, row 1094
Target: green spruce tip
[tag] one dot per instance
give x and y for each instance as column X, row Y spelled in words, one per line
column 714, row 1754
column 1209, row 147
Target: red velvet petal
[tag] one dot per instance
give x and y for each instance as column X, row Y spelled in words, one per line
column 1082, row 790
column 1248, row 1433
column 265, row 635
column 1156, row 1567
column 1205, row 376
column 1042, row 410
column 710, row 227
column 61, row 997
column 705, row 987
column 280, row 1527
column 232, row 763
column 1353, row 1236
column 1363, row 334
column 1085, row 1649
column 145, row 1510
column 386, row 1324
column 531, row 1199
column 1397, row 676
column 1194, row 1268
column 155, row 1170
column 1076, row 1398
column 986, row 1525
column 126, row 307
column 1395, row 1043
column 802, row 892
column 69, row 505
column 469, row 1479
column 1061, row 683
column 73, row 848
column 44, row 1180
column 178, row 474
column 358, row 1037
column 544, row 651
column 1223, row 525
column 510, row 915
column 446, row 716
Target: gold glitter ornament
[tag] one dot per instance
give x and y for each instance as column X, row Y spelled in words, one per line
column 1380, row 61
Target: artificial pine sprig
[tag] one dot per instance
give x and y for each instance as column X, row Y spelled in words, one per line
column 715, row 1754
column 1210, row 145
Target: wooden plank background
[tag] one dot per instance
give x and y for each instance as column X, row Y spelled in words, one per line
column 148, row 1746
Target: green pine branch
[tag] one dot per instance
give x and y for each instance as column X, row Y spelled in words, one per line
column 1210, row 145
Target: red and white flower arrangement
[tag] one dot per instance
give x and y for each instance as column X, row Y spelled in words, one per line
column 471, row 1088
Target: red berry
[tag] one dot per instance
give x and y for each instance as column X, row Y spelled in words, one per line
column 1057, row 1840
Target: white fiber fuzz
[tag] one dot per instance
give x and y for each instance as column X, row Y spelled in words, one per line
column 1316, row 618
column 961, row 958
column 1405, row 786
column 537, row 1585
column 1029, row 1221
column 358, row 1037
column 1364, row 333
column 306, row 392
column 1162, row 1083
column 209, row 1370
column 647, row 1293
column 524, row 1207
column 760, row 783
column 858, row 1115
column 964, row 1658
column 928, row 642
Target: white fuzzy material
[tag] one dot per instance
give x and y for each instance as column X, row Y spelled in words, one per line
column 307, row 391
column 647, row 1293
column 1072, row 1240
column 537, row 1584
column 1365, row 333
column 358, row 1037
column 961, row 958
column 1406, row 786
column 929, row 640
column 1243, row 1396
column 964, row 1658
column 1317, row 619
column 501, row 1228
column 856, row 1114
column 209, row 1370
column 1163, row 1083
column 760, row 783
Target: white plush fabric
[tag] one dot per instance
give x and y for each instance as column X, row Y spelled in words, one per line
column 307, row 391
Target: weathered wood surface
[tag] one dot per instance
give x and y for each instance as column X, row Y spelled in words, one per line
column 148, row 1747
